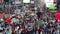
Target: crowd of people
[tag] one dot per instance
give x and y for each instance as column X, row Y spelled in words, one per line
column 29, row 21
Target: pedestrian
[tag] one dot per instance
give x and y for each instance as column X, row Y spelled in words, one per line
column 23, row 32
column 48, row 31
column 35, row 29
column 39, row 30
column 26, row 31
column 8, row 32
column 45, row 30
column 13, row 32
column 55, row 32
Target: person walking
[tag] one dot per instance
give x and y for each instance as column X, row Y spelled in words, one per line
column 7, row 32
column 45, row 30
column 39, row 30
column 35, row 30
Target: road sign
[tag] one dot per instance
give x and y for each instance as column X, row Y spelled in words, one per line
column 49, row 3
column 26, row 1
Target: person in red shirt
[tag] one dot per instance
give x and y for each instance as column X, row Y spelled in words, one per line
column 9, row 21
column 39, row 30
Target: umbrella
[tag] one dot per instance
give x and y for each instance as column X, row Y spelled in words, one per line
column 52, row 8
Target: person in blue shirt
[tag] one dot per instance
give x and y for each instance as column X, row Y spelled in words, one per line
column 45, row 30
